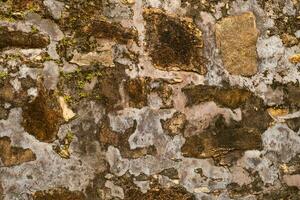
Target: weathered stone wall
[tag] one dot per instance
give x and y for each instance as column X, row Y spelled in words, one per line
column 149, row 99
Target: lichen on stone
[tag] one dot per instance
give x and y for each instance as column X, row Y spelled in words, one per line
column 152, row 99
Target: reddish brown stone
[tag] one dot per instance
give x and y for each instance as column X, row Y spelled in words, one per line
column 220, row 139
column 175, row 125
column 7, row 93
column 226, row 141
column 43, row 116
column 173, row 43
column 138, row 90
column 109, row 30
column 22, row 39
column 58, row 194
column 224, row 96
column 160, row 193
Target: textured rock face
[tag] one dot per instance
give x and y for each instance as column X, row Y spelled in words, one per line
column 236, row 37
column 58, row 193
column 11, row 156
column 42, row 117
column 149, row 99
column 174, row 43
column 21, row 39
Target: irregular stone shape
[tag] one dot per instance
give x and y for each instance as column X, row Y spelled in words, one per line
column 256, row 187
column 173, row 43
column 226, row 97
column 171, row 173
column 45, row 25
column 138, row 90
column 58, row 193
column 292, row 180
column 174, row 125
column 295, row 59
column 54, row 7
column 292, row 95
column 11, row 156
column 292, row 167
column 50, row 75
column 226, row 142
column 109, row 30
column 25, row 5
column 294, row 124
column 22, row 39
column 3, row 113
column 103, row 57
column 289, row 40
column 120, row 140
column 43, row 116
column 236, row 37
column 221, row 138
column 115, row 190
column 67, row 112
column 158, row 192
column 282, row 141
column 290, row 193
column 165, row 92
column 8, row 94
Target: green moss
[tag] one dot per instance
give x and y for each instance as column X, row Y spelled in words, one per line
column 83, row 94
column 68, row 98
column 67, row 76
column 3, row 75
column 81, row 84
column 34, row 29
column 91, row 75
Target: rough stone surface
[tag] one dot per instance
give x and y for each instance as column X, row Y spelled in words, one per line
column 149, row 99
column 58, row 193
column 42, row 117
column 236, row 37
column 11, row 155
column 22, row 39
column 174, row 44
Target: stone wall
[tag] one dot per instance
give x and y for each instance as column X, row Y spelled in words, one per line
column 149, row 99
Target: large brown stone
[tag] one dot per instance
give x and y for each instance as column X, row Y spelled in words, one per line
column 11, row 156
column 58, row 194
column 236, row 37
column 22, row 39
column 160, row 193
column 108, row 30
column 43, row 116
column 173, row 43
column 223, row 96
column 226, row 141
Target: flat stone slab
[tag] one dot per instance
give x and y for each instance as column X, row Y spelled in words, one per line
column 236, row 38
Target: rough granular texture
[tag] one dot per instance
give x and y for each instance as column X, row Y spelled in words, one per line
column 149, row 100
column 11, row 156
column 174, row 44
column 236, row 37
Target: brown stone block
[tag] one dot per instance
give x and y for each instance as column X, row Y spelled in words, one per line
column 236, row 37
